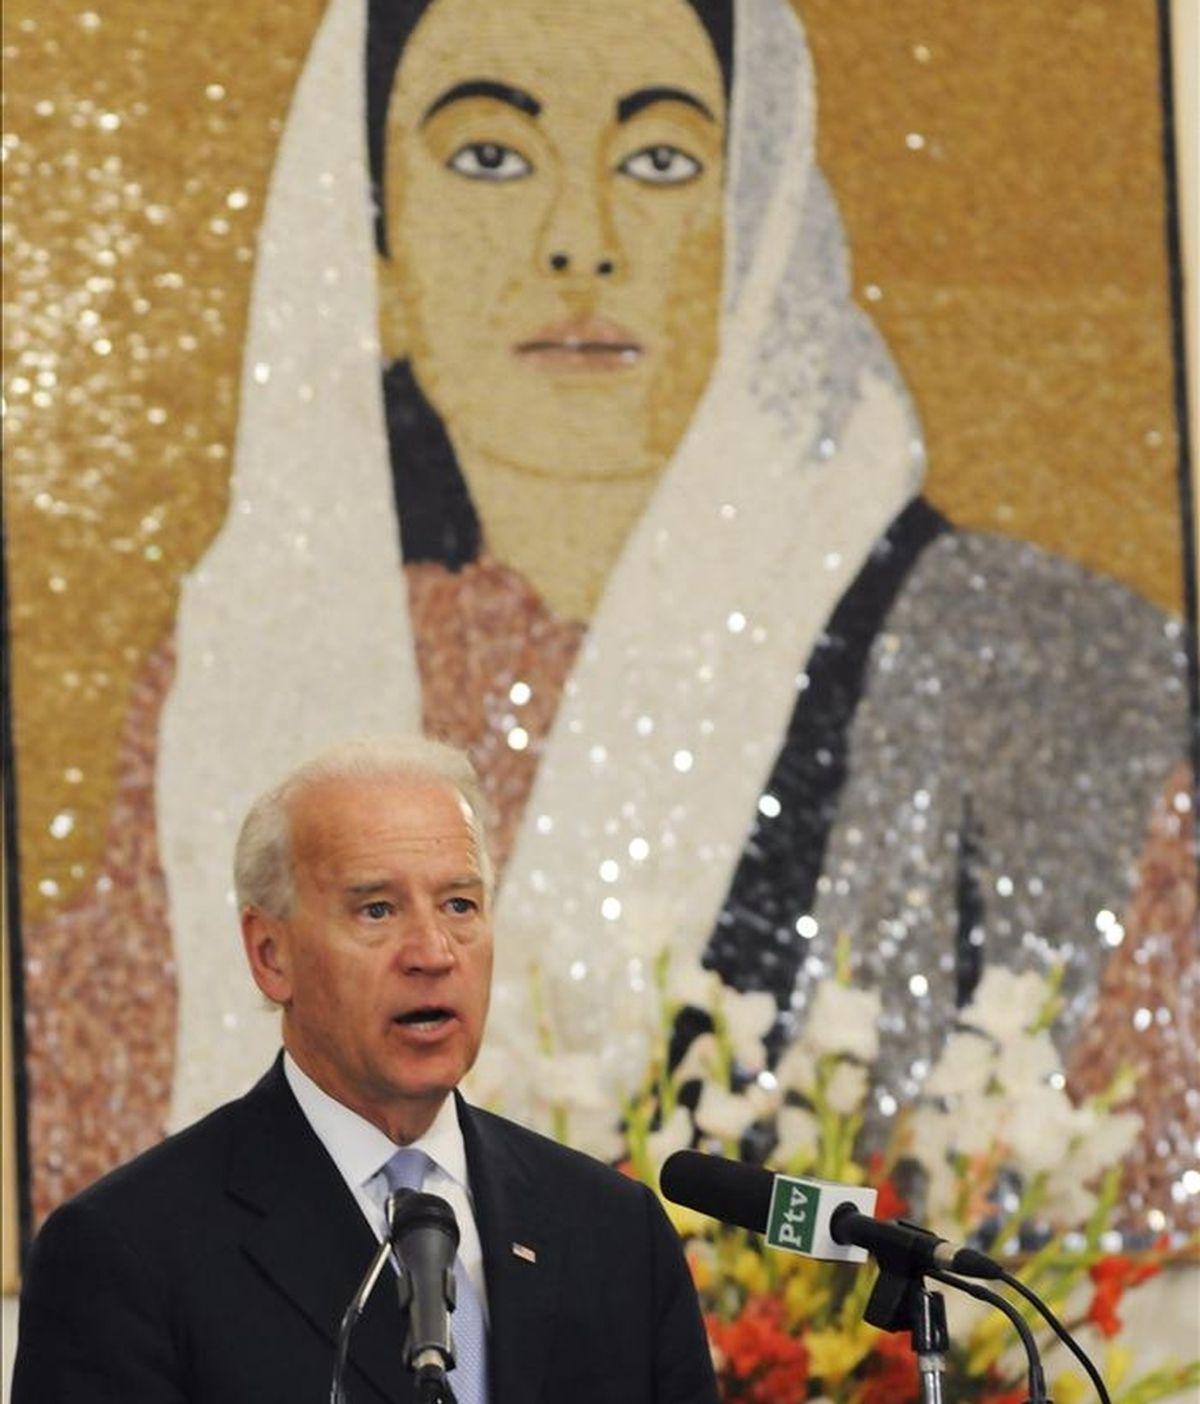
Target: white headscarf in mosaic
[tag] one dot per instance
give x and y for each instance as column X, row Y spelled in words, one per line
column 294, row 629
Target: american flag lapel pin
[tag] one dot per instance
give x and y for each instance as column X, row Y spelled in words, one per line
column 526, row 1254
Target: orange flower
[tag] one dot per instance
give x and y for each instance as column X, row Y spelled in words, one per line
column 1113, row 1276
column 763, row 1362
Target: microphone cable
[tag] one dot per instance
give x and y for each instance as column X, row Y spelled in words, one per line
column 1037, row 1380
column 1060, row 1331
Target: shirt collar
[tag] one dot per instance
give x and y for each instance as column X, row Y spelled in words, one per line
column 360, row 1149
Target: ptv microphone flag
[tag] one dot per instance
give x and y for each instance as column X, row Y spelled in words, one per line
column 795, row 1214
column 798, row 1220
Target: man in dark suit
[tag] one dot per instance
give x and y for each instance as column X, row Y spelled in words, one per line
column 217, row 1266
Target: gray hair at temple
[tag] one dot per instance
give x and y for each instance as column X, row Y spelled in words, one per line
column 262, row 859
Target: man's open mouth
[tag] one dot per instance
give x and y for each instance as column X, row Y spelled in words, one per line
column 427, row 1018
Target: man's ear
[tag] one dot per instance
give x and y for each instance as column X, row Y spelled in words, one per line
column 266, row 940
column 395, row 339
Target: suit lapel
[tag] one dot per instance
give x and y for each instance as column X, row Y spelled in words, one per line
column 309, row 1236
column 522, row 1252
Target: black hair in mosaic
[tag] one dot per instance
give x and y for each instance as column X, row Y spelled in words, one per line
column 390, row 24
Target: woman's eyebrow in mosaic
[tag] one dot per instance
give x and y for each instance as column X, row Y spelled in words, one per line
column 634, row 102
column 488, row 88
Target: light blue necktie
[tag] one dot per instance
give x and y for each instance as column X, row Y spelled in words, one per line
column 468, row 1379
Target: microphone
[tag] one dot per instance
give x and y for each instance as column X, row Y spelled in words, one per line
column 424, row 1233
column 811, row 1217
column 907, row 1248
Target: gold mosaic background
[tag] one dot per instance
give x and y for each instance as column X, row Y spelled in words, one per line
column 998, row 169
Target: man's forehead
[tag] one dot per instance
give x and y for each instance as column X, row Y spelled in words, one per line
column 351, row 785
column 408, row 810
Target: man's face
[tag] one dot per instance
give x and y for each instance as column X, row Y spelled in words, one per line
column 383, row 965
column 554, row 177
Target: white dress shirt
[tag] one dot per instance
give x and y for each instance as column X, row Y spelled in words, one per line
column 361, row 1150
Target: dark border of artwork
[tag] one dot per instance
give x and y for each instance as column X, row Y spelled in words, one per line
column 1187, row 487
column 12, row 918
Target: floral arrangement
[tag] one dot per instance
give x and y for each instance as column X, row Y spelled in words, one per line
column 994, row 1153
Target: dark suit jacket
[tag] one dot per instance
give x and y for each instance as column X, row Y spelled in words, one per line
column 215, row 1268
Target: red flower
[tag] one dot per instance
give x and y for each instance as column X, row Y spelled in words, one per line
column 1113, row 1276
column 764, row 1363
column 1016, row 1395
column 890, row 1203
column 892, row 1371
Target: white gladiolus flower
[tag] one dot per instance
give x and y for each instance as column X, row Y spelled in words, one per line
column 674, row 1135
column 722, row 1113
column 932, row 1134
column 1027, row 1061
column 693, row 985
column 638, row 1011
column 767, row 1099
column 844, row 1020
column 796, row 1071
column 700, row 1060
column 799, row 1134
column 846, row 1088
column 941, row 1199
column 966, row 1066
column 1041, row 1127
column 574, row 1080
column 1065, row 1201
column 748, row 1017
column 1004, row 1102
column 976, row 1124
column 1107, row 1137
column 1006, row 1003
column 726, row 1114
column 578, row 1085
column 595, row 1133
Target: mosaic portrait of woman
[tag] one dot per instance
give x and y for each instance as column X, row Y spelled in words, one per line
column 564, row 436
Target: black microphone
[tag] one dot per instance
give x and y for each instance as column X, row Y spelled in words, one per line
column 907, row 1248
column 424, row 1233
column 728, row 1190
column 811, row 1217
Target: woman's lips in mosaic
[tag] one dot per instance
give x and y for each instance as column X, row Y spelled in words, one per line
column 581, row 343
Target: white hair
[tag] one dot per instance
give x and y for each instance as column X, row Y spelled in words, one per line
column 262, row 860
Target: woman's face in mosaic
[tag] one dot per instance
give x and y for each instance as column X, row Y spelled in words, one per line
column 554, row 191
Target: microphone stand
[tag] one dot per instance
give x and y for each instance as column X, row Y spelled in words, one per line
column 337, row 1388
column 429, row 1367
column 902, row 1303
